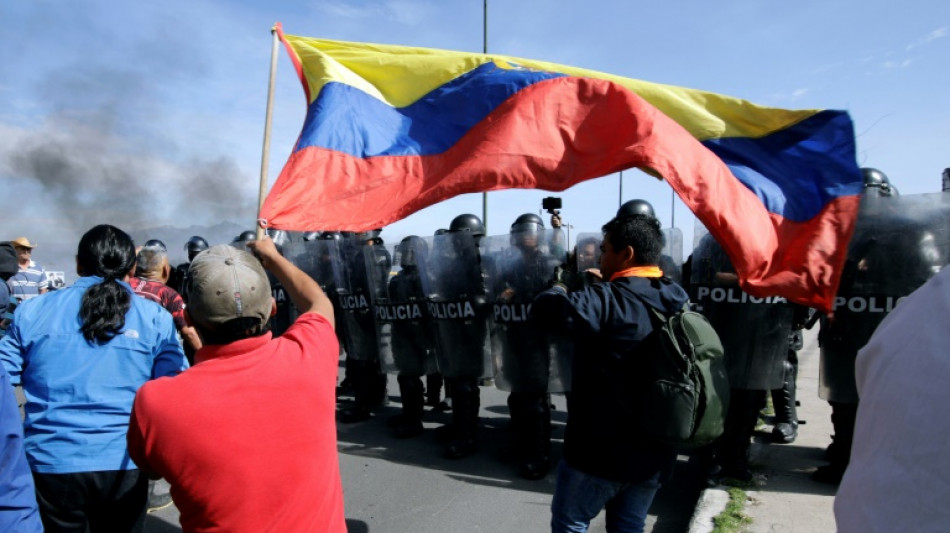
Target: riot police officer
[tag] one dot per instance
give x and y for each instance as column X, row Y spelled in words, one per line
column 461, row 315
column 522, row 353
column 784, row 398
column 328, row 266
column 411, row 333
column 754, row 332
column 195, row 245
column 895, row 249
column 367, row 266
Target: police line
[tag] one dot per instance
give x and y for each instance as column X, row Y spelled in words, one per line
column 517, row 312
column 855, row 304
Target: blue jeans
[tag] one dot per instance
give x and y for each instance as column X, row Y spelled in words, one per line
column 579, row 497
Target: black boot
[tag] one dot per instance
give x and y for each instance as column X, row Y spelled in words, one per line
column 785, row 429
column 345, row 388
column 434, row 393
column 409, row 422
column 465, row 405
column 531, row 425
column 843, row 417
column 369, row 391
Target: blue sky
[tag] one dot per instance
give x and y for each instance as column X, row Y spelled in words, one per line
column 144, row 114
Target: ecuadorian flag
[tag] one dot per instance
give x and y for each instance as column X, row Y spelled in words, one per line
column 393, row 129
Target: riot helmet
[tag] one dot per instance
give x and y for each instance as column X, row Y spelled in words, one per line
column 331, row 236
column 470, row 223
column 245, row 236
column 636, row 207
column 156, row 243
column 876, row 183
column 370, row 237
column 524, row 231
column 195, row 246
column 310, row 236
column 411, row 251
column 527, row 222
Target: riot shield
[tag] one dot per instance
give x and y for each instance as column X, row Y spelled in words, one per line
column 458, row 304
column 898, row 244
column 586, row 253
column 361, row 285
column 286, row 313
column 671, row 259
column 525, row 358
column 319, row 259
column 754, row 331
column 405, row 313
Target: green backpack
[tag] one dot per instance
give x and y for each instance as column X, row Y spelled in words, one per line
column 688, row 396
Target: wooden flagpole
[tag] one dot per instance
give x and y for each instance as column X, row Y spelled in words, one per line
column 265, row 155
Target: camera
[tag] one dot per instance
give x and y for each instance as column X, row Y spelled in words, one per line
column 551, row 204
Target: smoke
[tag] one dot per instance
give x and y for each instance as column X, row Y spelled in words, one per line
column 103, row 154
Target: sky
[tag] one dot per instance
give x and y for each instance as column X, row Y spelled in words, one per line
column 147, row 114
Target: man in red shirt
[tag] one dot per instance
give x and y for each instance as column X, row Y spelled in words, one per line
column 247, row 437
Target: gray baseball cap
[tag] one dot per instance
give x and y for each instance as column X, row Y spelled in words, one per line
column 225, row 283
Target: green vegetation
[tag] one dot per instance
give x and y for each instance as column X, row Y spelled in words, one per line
column 732, row 519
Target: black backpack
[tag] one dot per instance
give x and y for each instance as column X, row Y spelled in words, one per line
column 688, row 395
column 8, row 260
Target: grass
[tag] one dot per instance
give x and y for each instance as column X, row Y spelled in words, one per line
column 732, row 519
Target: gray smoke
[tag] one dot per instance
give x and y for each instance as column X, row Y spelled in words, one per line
column 101, row 157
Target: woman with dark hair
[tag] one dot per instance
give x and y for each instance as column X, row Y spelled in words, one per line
column 80, row 354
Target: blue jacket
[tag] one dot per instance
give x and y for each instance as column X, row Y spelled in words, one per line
column 18, row 510
column 612, row 348
column 79, row 395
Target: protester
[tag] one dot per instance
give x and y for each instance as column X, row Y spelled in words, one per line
column 8, row 267
column 152, row 271
column 80, row 354
column 18, row 510
column 31, row 280
column 608, row 460
column 897, row 477
column 247, row 437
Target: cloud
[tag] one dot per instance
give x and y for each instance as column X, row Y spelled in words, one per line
column 405, row 12
column 796, row 94
column 930, row 37
column 897, row 64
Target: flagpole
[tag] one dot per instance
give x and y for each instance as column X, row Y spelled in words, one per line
column 485, row 51
column 265, row 155
column 620, row 190
column 672, row 208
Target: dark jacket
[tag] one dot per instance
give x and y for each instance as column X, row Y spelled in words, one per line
column 611, row 328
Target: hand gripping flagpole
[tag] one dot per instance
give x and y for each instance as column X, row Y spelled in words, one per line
column 265, row 155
